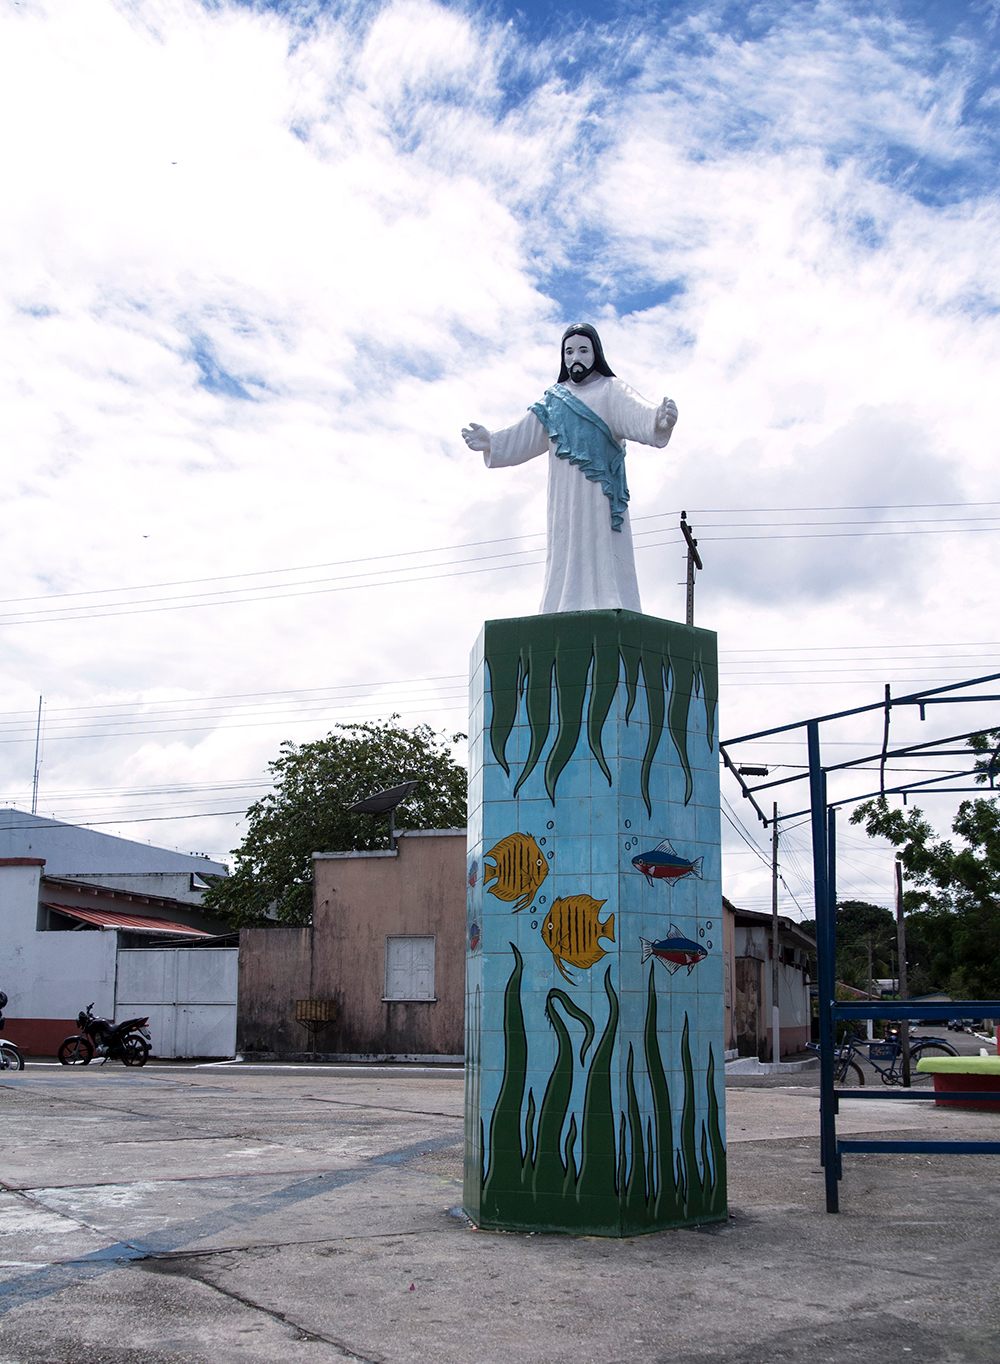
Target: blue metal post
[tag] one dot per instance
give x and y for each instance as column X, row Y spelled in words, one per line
column 826, row 953
column 830, row 948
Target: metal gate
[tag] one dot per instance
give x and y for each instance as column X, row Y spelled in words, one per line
column 189, row 994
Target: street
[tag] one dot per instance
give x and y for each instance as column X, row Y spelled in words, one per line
column 311, row 1213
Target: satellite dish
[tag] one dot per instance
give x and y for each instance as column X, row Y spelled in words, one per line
column 384, row 803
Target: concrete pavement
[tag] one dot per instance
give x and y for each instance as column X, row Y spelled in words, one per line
column 251, row 1213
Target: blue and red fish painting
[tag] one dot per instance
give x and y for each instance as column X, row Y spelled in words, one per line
column 662, row 863
column 674, row 951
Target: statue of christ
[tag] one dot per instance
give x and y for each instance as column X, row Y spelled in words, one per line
column 583, row 421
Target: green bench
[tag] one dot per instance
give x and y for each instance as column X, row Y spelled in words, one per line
column 964, row 1074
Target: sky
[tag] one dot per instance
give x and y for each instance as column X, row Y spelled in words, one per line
column 262, row 261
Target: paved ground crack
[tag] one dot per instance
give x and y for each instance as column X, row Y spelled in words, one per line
column 174, row 1264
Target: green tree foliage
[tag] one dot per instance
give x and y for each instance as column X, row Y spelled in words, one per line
column 306, row 812
column 862, row 926
column 952, row 896
column 930, row 951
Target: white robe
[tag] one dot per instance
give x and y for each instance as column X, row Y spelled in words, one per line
column 589, row 566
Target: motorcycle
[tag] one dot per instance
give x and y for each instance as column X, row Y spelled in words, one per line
column 10, row 1053
column 128, row 1041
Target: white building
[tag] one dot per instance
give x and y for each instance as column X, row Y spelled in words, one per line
column 69, row 850
column 88, row 917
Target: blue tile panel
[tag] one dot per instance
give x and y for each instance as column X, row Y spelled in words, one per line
column 595, row 1085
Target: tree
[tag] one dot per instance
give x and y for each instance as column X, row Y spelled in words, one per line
column 953, row 895
column 864, row 927
column 930, row 949
column 314, row 783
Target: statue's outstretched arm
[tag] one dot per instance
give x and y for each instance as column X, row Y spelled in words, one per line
column 476, row 437
column 666, row 415
column 524, row 440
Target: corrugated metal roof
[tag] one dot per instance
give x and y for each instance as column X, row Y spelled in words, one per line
column 135, row 923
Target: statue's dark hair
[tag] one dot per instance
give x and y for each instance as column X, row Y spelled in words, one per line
column 584, row 329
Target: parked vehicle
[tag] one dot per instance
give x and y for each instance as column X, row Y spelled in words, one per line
column 886, row 1058
column 127, row 1041
column 846, row 1070
column 10, row 1053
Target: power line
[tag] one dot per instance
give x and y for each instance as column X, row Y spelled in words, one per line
column 332, row 693
column 944, row 521
column 813, row 648
column 853, row 534
column 248, row 696
column 478, row 544
column 303, row 709
column 456, row 706
column 733, row 819
column 381, row 577
column 148, row 819
column 872, row 506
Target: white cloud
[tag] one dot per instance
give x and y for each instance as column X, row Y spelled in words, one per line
column 352, row 220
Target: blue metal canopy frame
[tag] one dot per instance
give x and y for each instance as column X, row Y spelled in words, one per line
column 822, row 812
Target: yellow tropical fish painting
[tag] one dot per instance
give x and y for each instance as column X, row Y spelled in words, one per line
column 571, row 931
column 518, row 869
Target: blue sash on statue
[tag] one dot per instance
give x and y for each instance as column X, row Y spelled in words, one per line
column 579, row 435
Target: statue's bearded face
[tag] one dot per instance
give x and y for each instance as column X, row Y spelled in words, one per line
column 578, row 353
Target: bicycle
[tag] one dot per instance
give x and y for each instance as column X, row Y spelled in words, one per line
column 846, row 1070
column 887, row 1056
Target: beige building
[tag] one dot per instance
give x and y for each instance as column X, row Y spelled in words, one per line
column 380, row 971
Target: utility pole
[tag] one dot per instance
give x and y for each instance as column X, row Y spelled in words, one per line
column 775, row 950
column 693, row 562
column 904, row 1023
column 38, row 740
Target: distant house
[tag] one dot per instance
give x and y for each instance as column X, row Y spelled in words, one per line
column 80, row 913
column 380, row 972
column 748, row 983
column 122, row 863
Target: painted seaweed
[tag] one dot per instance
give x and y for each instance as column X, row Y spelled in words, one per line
column 507, row 1170
column 564, row 658
column 715, row 1192
column 661, row 1190
column 628, row 1179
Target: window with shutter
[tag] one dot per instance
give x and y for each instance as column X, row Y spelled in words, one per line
column 409, row 968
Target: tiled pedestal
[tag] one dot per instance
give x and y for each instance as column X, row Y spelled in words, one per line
column 594, row 1071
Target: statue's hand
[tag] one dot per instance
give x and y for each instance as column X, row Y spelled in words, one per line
column 477, row 437
column 666, row 415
